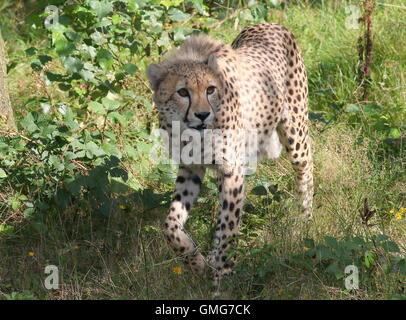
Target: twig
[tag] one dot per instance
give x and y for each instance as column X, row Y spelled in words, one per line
column 231, row 16
column 12, row 133
column 7, row 133
column 14, row 214
column 3, row 198
column 142, row 81
column 86, row 126
column 80, row 165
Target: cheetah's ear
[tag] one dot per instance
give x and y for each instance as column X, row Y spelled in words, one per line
column 156, row 73
column 212, row 63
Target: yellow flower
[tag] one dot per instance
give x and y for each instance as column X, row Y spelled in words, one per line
column 31, row 254
column 399, row 215
column 392, row 211
column 122, row 207
column 177, row 270
column 306, row 248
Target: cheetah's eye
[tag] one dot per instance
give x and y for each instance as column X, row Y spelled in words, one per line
column 183, row 92
column 210, row 90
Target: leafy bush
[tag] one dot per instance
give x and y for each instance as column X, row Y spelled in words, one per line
column 367, row 254
column 375, row 257
column 101, row 45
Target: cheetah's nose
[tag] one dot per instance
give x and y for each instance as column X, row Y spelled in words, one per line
column 202, row 115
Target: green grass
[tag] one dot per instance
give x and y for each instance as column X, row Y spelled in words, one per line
column 126, row 256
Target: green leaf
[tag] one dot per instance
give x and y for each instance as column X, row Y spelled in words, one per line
column 259, row 191
column 177, row 15
column 52, row 77
column 395, row 133
column 131, row 152
column 86, row 75
column 72, row 65
column 73, row 36
column 96, row 108
column 170, row 3
column 105, row 59
column 101, row 8
column 130, row 68
column 104, row 22
column 199, row 6
column 317, row 116
column 332, row 242
column 94, row 149
column 309, row 243
column 87, row 52
column 29, row 124
column 390, row 246
column 15, row 204
column 5, row 229
column 179, row 34
column 369, row 258
column 164, row 40
column 64, row 86
column 98, row 38
column 44, row 59
column 352, row 108
column 36, row 65
column 57, row 163
column 401, row 265
column 144, row 147
column 246, row 15
column 335, row 270
column 31, row 51
column 380, row 237
column 64, row 47
column 323, row 253
column 115, row 116
column 116, row 19
column 371, row 109
column 111, row 104
column 3, row 174
column 112, row 150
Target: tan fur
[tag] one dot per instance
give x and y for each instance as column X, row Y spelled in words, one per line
column 260, row 84
column 196, row 48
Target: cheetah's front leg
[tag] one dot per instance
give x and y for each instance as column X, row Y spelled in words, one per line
column 231, row 187
column 187, row 188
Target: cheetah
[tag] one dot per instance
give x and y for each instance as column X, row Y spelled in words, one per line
column 258, row 83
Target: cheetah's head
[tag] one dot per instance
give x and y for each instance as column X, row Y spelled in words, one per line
column 186, row 91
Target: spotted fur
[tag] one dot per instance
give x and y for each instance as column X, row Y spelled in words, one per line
column 259, row 83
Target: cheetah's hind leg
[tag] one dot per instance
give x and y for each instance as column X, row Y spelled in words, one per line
column 273, row 147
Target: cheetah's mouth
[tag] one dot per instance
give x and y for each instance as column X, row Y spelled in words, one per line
column 200, row 127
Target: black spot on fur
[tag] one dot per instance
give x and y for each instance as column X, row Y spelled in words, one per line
column 231, row 206
column 180, row 179
column 231, row 225
column 197, row 180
